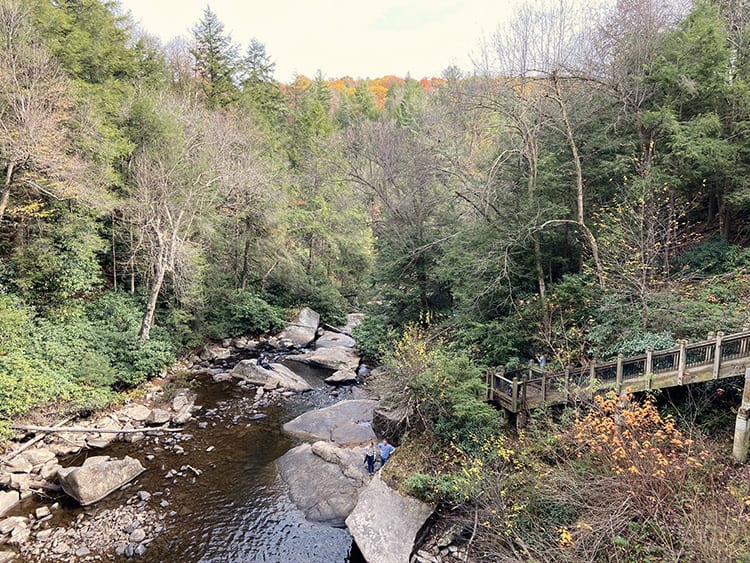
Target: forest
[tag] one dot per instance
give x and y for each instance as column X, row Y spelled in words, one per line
column 584, row 192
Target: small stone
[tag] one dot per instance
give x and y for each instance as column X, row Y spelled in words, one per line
column 129, row 550
column 43, row 535
column 61, row 548
column 210, row 448
column 140, row 551
column 144, row 495
column 41, row 512
column 82, row 551
column 137, row 536
column 164, row 504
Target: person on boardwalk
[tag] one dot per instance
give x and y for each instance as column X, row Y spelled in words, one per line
column 542, row 362
column 370, row 458
column 385, row 451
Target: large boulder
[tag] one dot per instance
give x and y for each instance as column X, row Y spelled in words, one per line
column 346, row 422
column 98, row 477
column 324, row 480
column 385, row 524
column 329, row 358
column 352, row 320
column 390, row 422
column 331, row 339
column 302, row 329
column 279, row 376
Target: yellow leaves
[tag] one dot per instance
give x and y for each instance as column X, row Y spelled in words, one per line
column 30, row 209
column 565, row 540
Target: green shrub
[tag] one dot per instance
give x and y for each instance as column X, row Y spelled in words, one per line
column 15, row 323
column 237, row 312
column 638, row 343
column 374, row 336
column 320, row 296
column 709, row 256
column 115, row 320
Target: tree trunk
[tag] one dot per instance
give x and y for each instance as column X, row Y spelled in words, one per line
column 6, row 190
column 114, row 256
column 148, row 317
column 245, row 265
column 579, row 181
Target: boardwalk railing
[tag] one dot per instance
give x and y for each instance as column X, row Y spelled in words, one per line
column 717, row 358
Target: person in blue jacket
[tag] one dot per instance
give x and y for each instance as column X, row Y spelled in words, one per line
column 385, row 451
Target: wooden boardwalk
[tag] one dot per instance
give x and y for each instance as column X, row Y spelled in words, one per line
column 717, row 358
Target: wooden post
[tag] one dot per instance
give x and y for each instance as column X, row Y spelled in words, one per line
column 649, row 367
column 742, row 424
column 592, row 376
column 567, row 385
column 711, row 336
column 717, row 354
column 544, row 387
column 531, row 368
column 681, row 361
column 514, row 395
column 618, row 384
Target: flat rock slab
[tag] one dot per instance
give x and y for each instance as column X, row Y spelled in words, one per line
column 136, row 412
column 331, row 339
column 346, row 422
column 329, row 358
column 279, row 376
column 39, row 456
column 324, row 480
column 8, row 500
column 385, row 524
column 341, row 377
column 97, row 478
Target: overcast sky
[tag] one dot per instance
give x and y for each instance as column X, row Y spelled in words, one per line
column 341, row 37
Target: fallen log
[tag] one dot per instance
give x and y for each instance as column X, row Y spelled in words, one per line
column 93, row 430
column 331, row 328
column 27, row 445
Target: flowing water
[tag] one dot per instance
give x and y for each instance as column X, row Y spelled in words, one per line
column 237, row 509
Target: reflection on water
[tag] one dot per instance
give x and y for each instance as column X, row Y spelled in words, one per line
column 237, row 509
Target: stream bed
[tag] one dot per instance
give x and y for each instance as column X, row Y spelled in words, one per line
column 216, row 487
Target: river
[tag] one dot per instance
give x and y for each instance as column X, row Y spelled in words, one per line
column 237, row 509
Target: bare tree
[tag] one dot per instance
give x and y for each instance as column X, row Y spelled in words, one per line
column 34, row 108
column 174, row 190
column 543, row 49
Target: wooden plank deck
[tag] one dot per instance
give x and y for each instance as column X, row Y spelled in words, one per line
column 717, row 358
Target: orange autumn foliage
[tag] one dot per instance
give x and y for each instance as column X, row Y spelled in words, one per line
column 631, row 438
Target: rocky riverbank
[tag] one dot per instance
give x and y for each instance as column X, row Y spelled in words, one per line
column 155, row 421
